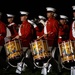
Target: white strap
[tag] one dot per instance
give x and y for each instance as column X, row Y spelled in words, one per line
column 35, row 25
column 41, row 21
column 8, row 32
column 45, row 28
column 73, row 29
column 11, row 24
column 19, row 32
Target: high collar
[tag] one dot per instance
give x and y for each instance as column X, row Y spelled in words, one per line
column 50, row 18
column 24, row 21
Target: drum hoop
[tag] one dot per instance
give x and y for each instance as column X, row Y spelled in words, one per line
column 65, row 67
column 12, row 64
column 41, row 66
column 16, row 65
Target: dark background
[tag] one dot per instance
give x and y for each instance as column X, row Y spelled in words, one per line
column 35, row 7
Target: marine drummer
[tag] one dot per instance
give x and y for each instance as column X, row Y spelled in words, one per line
column 2, row 32
column 12, row 26
column 51, row 30
column 25, row 35
column 3, row 63
column 63, row 33
column 25, row 31
column 51, row 35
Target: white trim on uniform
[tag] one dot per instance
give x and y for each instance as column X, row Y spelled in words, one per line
column 73, row 30
column 45, row 28
column 11, row 24
column 19, row 32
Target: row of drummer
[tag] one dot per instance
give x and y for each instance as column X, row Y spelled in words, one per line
column 50, row 29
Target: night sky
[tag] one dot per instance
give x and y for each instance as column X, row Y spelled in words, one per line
column 35, row 7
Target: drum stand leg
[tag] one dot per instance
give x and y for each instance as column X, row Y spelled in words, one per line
column 45, row 66
column 73, row 70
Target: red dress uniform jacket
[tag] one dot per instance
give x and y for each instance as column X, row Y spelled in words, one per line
column 63, row 33
column 39, row 30
column 13, row 29
column 2, row 33
column 26, row 34
column 52, row 27
column 71, row 37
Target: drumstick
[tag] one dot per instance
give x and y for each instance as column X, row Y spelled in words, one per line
column 44, row 35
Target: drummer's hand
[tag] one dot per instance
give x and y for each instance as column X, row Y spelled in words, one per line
column 17, row 37
column 45, row 36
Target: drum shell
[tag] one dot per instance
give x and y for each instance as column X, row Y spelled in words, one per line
column 13, row 49
column 67, row 51
column 39, row 50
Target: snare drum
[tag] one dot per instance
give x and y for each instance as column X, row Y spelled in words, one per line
column 72, row 45
column 13, row 49
column 39, row 49
column 67, row 51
